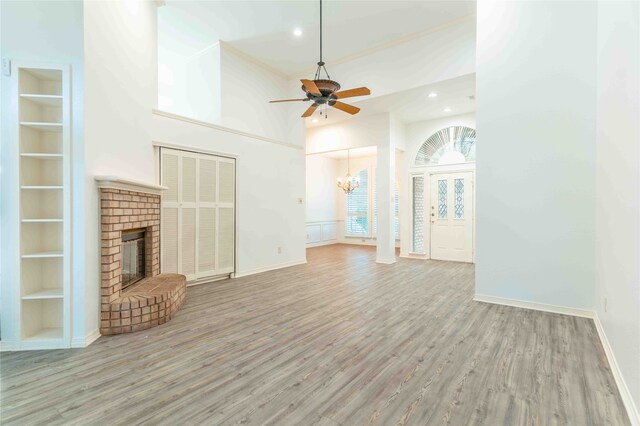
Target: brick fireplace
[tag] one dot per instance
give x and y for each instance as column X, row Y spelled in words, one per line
column 126, row 206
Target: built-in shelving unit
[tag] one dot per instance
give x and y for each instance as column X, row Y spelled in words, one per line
column 43, row 122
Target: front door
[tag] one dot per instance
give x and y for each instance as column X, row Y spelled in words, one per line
column 452, row 216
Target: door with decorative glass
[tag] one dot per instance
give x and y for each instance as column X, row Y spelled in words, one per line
column 451, row 215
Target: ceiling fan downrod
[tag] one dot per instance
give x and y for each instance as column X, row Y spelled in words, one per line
column 321, row 62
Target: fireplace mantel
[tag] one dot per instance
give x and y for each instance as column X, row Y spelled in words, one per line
column 115, row 182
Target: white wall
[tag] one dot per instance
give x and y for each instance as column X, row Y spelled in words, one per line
column 120, row 90
column 271, row 180
column 322, row 192
column 247, row 87
column 536, row 151
column 39, row 31
column 354, row 133
column 617, row 186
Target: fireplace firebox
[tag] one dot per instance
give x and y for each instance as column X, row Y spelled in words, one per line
column 133, row 256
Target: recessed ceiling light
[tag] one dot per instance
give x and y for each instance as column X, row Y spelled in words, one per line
column 433, row 95
column 315, row 120
column 447, row 109
column 297, row 32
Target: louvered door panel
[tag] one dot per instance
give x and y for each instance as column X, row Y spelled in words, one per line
column 225, row 239
column 170, row 176
column 198, row 234
column 170, row 242
column 170, row 229
column 206, row 241
column 207, row 189
column 227, row 186
column 188, row 243
column 189, row 185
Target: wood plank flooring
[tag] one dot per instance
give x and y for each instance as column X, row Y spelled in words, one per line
column 338, row 341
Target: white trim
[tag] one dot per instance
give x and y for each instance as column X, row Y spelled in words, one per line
column 270, row 268
column 224, row 129
column 83, row 342
column 322, row 243
column 584, row 313
column 253, row 60
column 115, row 182
column 420, row 256
column 386, row 261
column 625, row 394
column 9, row 345
column 207, row 280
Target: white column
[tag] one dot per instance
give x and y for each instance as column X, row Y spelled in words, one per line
column 385, row 183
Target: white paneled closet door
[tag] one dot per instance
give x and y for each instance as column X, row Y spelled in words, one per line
column 198, row 222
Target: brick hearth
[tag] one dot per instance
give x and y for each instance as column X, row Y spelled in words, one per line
column 145, row 304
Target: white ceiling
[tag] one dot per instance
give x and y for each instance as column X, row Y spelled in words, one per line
column 264, row 29
column 411, row 105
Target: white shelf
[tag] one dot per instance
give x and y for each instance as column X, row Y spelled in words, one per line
column 44, row 100
column 50, row 293
column 41, row 187
column 47, row 334
column 41, row 156
column 42, row 310
column 42, row 254
column 43, row 127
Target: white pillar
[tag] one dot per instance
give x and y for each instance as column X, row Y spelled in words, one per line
column 385, row 184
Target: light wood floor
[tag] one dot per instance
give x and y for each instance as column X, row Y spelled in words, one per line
column 339, row 341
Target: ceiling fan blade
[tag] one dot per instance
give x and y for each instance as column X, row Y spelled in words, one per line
column 311, row 87
column 289, row 100
column 310, row 110
column 360, row 91
column 346, row 107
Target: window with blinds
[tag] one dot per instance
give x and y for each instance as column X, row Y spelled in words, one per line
column 358, row 206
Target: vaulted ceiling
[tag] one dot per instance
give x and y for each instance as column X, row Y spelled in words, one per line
column 264, row 29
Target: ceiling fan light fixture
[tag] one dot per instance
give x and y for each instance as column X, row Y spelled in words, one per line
column 325, row 91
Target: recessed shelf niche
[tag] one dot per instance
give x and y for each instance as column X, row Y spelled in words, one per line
column 43, row 129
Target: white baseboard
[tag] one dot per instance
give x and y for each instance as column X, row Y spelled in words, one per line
column 270, row 268
column 386, row 261
column 625, row 394
column 83, row 342
column 584, row 313
column 322, row 243
column 413, row 256
column 8, row 346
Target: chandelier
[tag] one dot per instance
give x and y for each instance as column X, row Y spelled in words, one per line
column 349, row 183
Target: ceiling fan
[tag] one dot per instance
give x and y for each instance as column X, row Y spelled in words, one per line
column 326, row 91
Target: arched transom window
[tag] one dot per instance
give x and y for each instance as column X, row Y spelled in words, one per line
column 455, row 144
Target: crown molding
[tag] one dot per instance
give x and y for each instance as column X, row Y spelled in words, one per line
column 390, row 44
column 249, row 58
